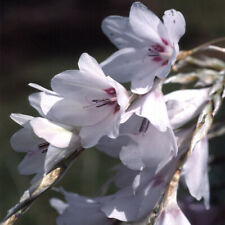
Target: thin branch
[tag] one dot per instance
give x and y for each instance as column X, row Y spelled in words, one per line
column 36, row 190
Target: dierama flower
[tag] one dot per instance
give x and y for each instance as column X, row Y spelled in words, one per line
column 147, row 46
column 87, row 99
column 197, row 164
column 45, row 142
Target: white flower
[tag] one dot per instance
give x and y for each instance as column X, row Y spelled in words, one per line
column 45, row 142
column 147, row 46
column 80, row 210
column 137, row 199
column 84, row 98
column 195, row 172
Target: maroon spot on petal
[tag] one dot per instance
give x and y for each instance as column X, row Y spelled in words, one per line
column 165, row 42
column 165, row 63
column 110, row 91
column 157, row 59
column 158, row 48
column 116, row 109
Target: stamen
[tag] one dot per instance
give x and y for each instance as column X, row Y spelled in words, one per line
column 144, row 125
column 43, row 147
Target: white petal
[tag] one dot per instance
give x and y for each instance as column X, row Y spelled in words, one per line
column 89, row 65
column 51, row 132
column 184, row 105
column 77, row 209
column 54, row 155
column 144, row 22
column 80, row 113
column 42, row 89
column 175, row 24
column 21, row 119
column 118, row 30
column 124, row 64
column 131, row 157
column 75, row 83
column 172, row 215
column 32, row 163
column 90, row 135
column 127, row 206
column 124, row 177
column 111, row 146
column 134, row 65
column 25, row 140
column 152, row 149
column 121, row 93
column 43, row 102
column 196, row 172
column 59, row 205
column 152, row 106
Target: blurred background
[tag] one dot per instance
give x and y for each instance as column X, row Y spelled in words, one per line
column 39, row 39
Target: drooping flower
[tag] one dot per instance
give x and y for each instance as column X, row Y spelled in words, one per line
column 147, row 46
column 45, row 142
column 195, row 172
column 84, row 98
column 170, row 213
column 136, row 200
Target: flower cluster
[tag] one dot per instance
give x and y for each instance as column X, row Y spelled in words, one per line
column 145, row 129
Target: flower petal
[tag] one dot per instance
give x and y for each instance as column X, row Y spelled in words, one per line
column 89, row 65
column 175, row 24
column 25, row 140
column 54, row 155
column 32, row 163
column 109, row 126
column 197, row 164
column 55, row 134
column 21, row 119
column 43, row 102
column 120, row 33
column 77, row 209
column 172, row 215
column 152, row 107
column 151, row 149
column 144, row 23
column 79, row 113
column 184, row 105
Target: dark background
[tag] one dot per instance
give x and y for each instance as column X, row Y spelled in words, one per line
column 39, row 39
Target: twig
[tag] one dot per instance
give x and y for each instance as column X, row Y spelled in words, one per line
column 36, row 190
